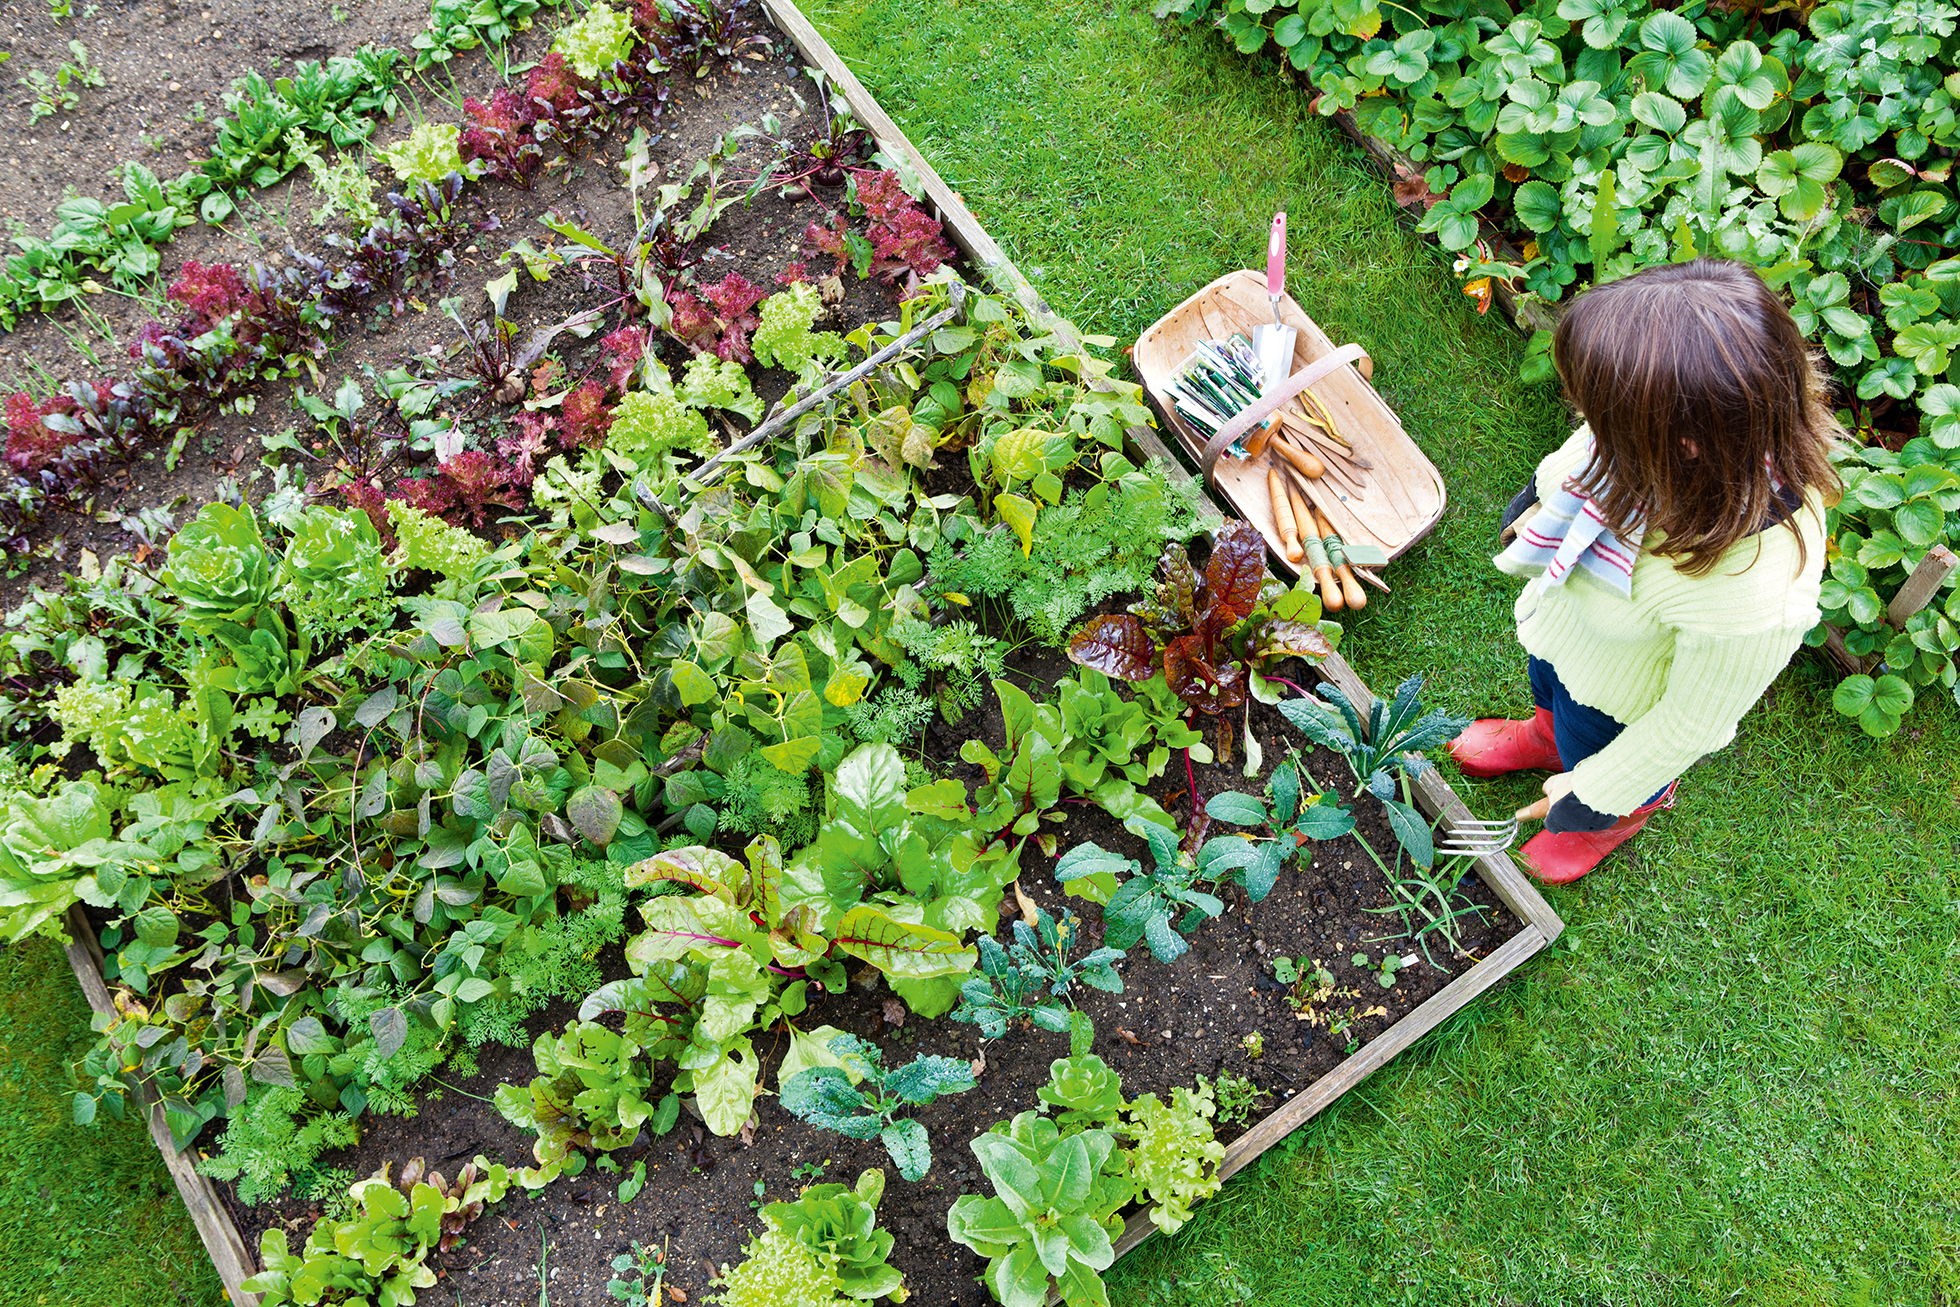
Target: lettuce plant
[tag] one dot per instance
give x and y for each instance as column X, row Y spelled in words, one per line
column 430, row 153
column 590, row 1092
column 1087, row 1093
column 783, row 338
column 1053, row 1215
column 838, row 1226
column 50, row 852
column 380, row 1253
column 1174, row 1158
column 334, row 555
column 599, row 39
column 861, row 1100
column 219, row 568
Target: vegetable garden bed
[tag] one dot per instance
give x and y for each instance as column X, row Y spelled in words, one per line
column 1290, row 987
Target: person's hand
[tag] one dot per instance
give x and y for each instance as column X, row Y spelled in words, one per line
column 1556, row 788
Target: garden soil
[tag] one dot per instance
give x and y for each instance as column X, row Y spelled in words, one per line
column 758, row 240
column 1168, row 1026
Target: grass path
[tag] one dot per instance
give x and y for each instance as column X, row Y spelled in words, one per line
column 1733, row 1079
column 86, row 1219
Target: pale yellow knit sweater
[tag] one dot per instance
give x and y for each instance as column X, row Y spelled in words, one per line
column 1684, row 658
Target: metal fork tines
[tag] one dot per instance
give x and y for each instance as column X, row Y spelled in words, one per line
column 1477, row 838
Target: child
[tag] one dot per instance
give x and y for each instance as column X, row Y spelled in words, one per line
column 1675, row 553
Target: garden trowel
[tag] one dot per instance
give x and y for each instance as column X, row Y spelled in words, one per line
column 1274, row 343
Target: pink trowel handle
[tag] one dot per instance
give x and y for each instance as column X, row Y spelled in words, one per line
column 1276, row 259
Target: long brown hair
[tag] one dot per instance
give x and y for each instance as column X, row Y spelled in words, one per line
column 1697, row 385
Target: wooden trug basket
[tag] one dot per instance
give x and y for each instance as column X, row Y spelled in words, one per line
column 1403, row 497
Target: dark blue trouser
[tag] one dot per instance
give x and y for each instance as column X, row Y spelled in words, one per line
column 1578, row 731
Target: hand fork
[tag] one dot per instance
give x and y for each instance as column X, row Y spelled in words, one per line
column 1476, row 838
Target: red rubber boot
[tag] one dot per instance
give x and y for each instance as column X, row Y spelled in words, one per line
column 1494, row 746
column 1561, row 857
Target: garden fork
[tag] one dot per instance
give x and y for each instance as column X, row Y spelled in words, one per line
column 1475, row 837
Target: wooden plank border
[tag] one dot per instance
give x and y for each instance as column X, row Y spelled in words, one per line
column 222, row 1240
column 1541, row 924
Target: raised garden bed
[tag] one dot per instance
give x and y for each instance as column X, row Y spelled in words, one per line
column 1169, row 1025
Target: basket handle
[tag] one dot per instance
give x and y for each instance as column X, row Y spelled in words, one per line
column 1267, row 405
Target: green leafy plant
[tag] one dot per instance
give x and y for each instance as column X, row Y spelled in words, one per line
column 838, row 1224
column 642, row 1264
column 589, row 1093
column 1380, row 750
column 1237, row 1097
column 1053, row 1215
column 1306, row 980
column 861, row 1100
column 600, row 38
column 1255, row 863
column 1384, row 971
column 219, row 567
column 1084, row 1093
column 429, row 154
column 1143, row 906
column 60, row 93
column 1021, row 983
column 1174, row 1158
column 783, row 337
column 381, row 1252
column 1896, row 508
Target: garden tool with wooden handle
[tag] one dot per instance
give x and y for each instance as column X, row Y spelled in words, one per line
column 1351, row 589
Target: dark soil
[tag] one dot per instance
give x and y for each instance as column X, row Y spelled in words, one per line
column 758, row 240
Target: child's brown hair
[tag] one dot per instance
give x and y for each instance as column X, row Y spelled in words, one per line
column 1697, row 385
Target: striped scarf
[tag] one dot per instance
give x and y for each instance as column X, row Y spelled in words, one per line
column 1567, row 532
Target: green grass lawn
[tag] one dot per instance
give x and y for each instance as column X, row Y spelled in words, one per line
column 87, row 1219
column 1733, row 1079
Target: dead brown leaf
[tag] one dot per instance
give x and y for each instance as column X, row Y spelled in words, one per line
column 894, row 1010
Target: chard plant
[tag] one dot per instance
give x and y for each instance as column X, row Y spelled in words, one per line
column 862, row 1100
column 1205, row 633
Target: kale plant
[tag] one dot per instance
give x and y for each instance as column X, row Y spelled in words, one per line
column 1381, row 749
column 827, row 1097
column 1141, row 907
column 1019, row 983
